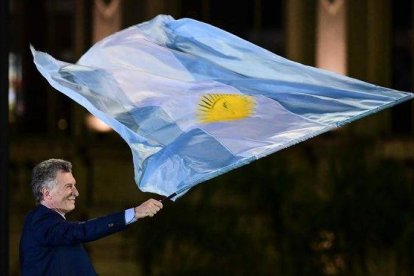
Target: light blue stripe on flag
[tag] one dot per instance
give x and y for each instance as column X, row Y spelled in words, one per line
column 193, row 101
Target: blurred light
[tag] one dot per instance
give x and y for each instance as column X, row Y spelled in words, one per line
column 96, row 124
column 15, row 84
column 331, row 36
column 62, row 124
column 106, row 18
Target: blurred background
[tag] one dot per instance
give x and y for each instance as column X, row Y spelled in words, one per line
column 338, row 204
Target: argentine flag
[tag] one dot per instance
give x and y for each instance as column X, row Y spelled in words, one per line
column 193, row 101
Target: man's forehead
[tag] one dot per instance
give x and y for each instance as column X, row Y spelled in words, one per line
column 65, row 177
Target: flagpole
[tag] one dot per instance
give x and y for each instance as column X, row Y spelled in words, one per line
column 180, row 191
column 4, row 145
column 168, row 198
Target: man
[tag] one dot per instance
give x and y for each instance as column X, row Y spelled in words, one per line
column 50, row 245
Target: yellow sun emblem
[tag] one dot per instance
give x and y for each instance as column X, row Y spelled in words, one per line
column 224, row 107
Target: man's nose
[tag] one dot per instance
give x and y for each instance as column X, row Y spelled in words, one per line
column 75, row 191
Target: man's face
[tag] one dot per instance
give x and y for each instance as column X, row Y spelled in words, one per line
column 62, row 196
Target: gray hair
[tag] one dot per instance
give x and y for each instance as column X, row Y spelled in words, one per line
column 44, row 175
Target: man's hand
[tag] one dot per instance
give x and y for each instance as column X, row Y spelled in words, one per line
column 148, row 209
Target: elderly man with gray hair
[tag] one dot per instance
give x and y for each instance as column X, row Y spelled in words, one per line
column 51, row 245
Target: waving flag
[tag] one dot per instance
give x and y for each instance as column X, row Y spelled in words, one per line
column 193, row 101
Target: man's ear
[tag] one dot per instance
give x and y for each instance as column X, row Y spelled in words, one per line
column 45, row 192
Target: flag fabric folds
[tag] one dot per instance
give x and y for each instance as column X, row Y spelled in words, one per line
column 193, row 101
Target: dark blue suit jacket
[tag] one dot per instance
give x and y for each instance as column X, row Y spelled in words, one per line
column 50, row 245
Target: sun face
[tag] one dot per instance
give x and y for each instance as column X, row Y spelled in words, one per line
column 224, row 107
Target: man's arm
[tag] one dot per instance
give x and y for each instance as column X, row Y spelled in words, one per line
column 51, row 230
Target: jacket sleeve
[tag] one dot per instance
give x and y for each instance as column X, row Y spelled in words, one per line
column 52, row 230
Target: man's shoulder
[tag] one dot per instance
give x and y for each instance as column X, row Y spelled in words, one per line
column 41, row 212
